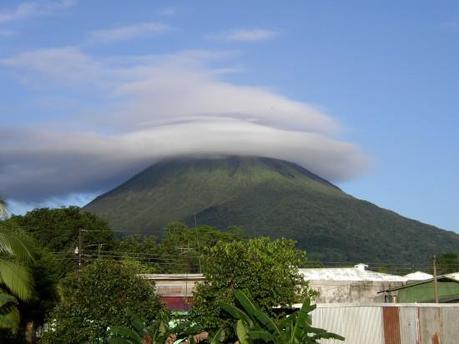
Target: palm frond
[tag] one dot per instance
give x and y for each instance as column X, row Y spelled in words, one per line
column 10, row 320
column 17, row 278
column 16, row 245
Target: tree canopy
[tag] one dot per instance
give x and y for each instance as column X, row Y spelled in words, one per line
column 58, row 230
column 266, row 268
column 181, row 249
column 16, row 282
column 102, row 295
column 448, row 263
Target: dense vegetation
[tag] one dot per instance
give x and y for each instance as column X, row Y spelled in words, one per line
column 15, row 277
column 58, row 231
column 274, row 198
column 41, row 282
column 101, row 295
column 267, row 268
column 253, row 325
column 79, row 303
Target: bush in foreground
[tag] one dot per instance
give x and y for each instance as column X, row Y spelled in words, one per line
column 102, row 295
column 267, row 268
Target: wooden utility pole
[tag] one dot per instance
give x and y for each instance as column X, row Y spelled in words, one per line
column 435, row 282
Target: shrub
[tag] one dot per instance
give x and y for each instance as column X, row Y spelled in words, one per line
column 102, row 295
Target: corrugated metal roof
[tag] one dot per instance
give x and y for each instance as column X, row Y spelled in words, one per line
column 418, row 276
column 357, row 273
column 454, row 276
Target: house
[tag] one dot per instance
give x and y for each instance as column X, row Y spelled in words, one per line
column 424, row 291
column 335, row 285
column 175, row 290
column 350, row 285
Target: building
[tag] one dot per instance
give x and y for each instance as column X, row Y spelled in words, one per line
column 334, row 285
column 175, row 290
column 424, row 291
column 350, row 285
column 418, row 276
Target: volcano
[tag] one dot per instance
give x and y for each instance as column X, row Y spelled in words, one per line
column 266, row 196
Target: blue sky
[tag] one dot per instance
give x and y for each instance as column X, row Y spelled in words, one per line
column 364, row 93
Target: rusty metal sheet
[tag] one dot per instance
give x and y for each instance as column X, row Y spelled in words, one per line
column 391, row 325
column 430, row 325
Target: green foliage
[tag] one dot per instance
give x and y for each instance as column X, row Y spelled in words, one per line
column 448, row 263
column 57, row 230
column 273, row 198
column 102, row 295
column 16, row 281
column 181, row 249
column 139, row 252
column 138, row 332
column 9, row 314
column 267, row 268
column 46, row 273
column 15, row 255
column 253, row 325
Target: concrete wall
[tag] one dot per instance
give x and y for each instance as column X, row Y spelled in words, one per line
column 175, row 290
column 181, row 285
column 351, row 291
column 329, row 291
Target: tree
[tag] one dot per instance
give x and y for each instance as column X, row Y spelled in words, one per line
column 102, row 295
column 15, row 278
column 183, row 248
column 139, row 332
column 267, row 268
column 58, row 230
column 448, row 263
column 141, row 252
column 255, row 326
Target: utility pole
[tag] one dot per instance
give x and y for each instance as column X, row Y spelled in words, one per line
column 435, row 282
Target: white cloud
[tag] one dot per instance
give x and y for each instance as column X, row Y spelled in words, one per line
column 63, row 64
column 128, row 32
column 162, row 106
column 247, row 35
column 34, row 9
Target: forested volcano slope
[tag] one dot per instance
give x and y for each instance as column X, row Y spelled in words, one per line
column 272, row 197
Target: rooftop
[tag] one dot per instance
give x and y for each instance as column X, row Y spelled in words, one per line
column 356, row 273
column 418, row 276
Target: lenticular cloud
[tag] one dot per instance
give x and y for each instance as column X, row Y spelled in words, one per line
column 155, row 107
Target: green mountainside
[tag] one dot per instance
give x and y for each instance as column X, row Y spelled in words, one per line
column 269, row 197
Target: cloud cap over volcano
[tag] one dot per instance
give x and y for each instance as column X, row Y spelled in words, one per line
column 148, row 108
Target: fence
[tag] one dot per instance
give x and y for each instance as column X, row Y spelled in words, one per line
column 390, row 323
